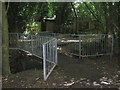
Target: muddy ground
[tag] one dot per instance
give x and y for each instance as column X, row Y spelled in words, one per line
column 71, row 72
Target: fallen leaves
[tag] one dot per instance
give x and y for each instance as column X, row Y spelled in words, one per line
column 118, row 72
column 5, row 79
column 106, row 83
column 95, row 83
column 103, row 79
column 17, row 76
column 88, row 84
column 69, row 84
column 22, row 85
column 82, row 79
column 54, row 84
column 116, row 75
column 37, row 78
column 12, row 80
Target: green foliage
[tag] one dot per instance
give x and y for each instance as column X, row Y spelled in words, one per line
column 22, row 16
column 50, row 10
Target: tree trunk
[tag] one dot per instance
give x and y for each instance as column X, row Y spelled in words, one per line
column 0, row 41
column 119, row 29
column 5, row 42
column 76, row 29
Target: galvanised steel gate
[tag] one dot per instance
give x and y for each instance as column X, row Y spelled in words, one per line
column 42, row 47
column 49, row 56
column 83, row 45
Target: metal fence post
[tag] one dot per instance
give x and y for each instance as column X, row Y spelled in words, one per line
column 32, row 43
column 38, row 37
column 79, row 47
column 50, row 53
column 56, row 52
column 17, row 40
column 112, row 45
column 44, row 62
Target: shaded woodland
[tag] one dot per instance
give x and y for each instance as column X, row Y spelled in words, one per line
column 58, row 17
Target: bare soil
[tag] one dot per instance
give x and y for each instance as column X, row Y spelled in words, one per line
column 71, row 72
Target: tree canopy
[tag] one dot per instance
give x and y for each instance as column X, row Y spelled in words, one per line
column 24, row 16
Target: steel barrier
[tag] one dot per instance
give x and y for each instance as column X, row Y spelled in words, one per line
column 83, row 45
column 45, row 45
column 37, row 45
column 49, row 56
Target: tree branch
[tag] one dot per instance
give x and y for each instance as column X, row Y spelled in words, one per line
column 8, row 5
column 92, row 12
column 74, row 9
column 74, row 13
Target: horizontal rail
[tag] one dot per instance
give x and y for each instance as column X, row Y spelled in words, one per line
column 72, row 34
column 49, row 41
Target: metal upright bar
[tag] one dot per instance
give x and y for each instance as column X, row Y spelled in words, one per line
column 53, row 51
column 80, row 47
column 94, row 48
column 32, row 43
column 44, row 61
column 56, row 52
column 47, row 53
column 17, row 40
column 112, row 45
column 87, row 47
column 90, row 48
column 50, row 46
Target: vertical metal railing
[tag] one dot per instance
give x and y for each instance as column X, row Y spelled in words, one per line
column 40, row 46
column 112, row 49
column 80, row 46
column 49, row 57
column 45, row 46
column 96, row 45
column 83, row 45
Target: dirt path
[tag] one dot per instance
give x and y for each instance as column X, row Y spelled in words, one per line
column 70, row 72
column 92, row 71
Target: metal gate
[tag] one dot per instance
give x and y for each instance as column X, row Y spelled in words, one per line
column 40, row 46
column 49, row 57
